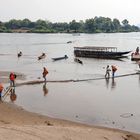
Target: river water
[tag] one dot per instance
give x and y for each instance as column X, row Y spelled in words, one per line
column 112, row 103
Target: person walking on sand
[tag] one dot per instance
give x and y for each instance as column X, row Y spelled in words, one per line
column 107, row 75
column 114, row 69
column 45, row 72
column 1, row 89
column 12, row 78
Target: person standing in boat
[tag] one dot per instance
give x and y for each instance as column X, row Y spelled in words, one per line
column 114, row 69
column 107, row 75
column 45, row 72
column 137, row 51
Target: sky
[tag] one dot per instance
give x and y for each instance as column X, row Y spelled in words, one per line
column 68, row 10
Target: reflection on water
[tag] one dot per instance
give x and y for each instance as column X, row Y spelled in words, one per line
column 45, row 90
column 139, row 79
column 105, row 106
column 107, row 82
column 113, row 83
column 13, row 95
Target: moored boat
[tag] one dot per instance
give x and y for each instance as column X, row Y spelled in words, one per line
column 78, row 60
column 60, row 58
column 42, row 56
column 99, row 52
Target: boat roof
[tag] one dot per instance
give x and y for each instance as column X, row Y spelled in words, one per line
column 96, row 48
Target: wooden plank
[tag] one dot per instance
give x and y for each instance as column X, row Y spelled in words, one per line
column 7, row 91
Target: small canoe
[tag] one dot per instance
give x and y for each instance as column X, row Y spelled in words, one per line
column 69, row 42
column 42, row 56
column 78, row 60
column 60, row 58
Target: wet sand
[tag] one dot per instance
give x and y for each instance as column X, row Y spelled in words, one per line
column 16, row 123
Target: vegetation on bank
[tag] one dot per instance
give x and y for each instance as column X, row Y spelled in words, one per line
column 93, row 25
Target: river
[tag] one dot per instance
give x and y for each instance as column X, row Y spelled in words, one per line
column 111, row 103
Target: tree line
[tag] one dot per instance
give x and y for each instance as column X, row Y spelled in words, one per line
column 93, row 25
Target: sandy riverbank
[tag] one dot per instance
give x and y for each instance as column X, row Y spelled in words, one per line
column 16, row 123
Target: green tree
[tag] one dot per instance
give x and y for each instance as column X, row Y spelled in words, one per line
column 74, row 25
column 90, row 26
column 40, row 24
column 125, row 22
column 13, row 24
column 25, row 23
column 116, row 24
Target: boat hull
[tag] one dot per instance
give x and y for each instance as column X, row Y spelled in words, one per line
column 100, row 54
column 60, row 58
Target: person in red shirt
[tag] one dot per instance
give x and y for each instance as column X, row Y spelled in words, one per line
column 12, row 78
column 1, row 89
column 114, row 69
column 45, row 72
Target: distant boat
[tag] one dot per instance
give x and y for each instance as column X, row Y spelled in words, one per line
column 78, row 60
column 42, row 56
column 76, row 34
column 69, row 42
column 60, row 58
column 99, row 52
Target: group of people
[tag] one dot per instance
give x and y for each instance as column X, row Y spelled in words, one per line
column 108, row 70
column 13, row 76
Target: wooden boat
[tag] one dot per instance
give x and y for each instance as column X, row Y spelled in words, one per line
column 135, row 56
column 99, row 52
column 69, row 42
column 78, row 60
column 42, row 56
column 60, row 58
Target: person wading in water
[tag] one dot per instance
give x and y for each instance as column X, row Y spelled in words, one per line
column 12, row 78
column 107, row 75
column 45, row 72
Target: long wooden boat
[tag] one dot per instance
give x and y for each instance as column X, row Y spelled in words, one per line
column 42, row 56
column 60, row 58
column 99, row 52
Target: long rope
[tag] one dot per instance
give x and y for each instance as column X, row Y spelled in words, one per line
column 70, row 80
